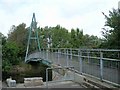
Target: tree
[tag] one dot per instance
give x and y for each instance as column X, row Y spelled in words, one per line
column 60, row 37
column 111, row 32
column 9, row 54
column 19, row 35
column 73, row 38
column 76, row 38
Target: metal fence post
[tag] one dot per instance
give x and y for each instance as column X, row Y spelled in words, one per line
column 43, row 54
column 80, row 60
column 101, row 66
column 88, row 54
column 52, row 55
column 47, row 78
column 71, row 53
column 67, row 58
column 64, row 52
column 74, row 73
column 40, row 54
column 58, row 58
column 47, row 53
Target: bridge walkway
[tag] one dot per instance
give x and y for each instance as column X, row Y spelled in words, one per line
column 104, row 69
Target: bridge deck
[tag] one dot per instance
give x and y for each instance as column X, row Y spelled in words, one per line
column 90, row 68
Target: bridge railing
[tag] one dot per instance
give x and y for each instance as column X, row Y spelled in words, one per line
column 103, row 64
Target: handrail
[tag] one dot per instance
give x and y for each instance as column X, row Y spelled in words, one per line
column 82, row 49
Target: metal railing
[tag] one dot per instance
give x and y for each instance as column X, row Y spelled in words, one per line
column 103, row 64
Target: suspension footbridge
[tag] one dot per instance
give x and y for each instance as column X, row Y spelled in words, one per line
column 103, row 64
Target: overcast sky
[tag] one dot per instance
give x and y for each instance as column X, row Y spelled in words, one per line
column 82, row 14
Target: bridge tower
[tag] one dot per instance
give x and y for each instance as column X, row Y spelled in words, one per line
column 33, row 39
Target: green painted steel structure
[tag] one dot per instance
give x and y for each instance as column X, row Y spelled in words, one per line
column 33, row 28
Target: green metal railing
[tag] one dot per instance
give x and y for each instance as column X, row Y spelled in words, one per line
column 91, row 62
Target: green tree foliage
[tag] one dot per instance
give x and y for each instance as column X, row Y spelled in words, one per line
column 2, row 39
column 9, row 54
column 111, row 32
column 60, row 37
column 76, row 38
column 14, row 47
column 44, row 33
column 18, row 35
column 91, row 41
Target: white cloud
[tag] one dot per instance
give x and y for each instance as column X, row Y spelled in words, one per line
column 84, row 14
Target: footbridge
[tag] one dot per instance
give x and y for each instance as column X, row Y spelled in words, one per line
column 96, row 63
column 102, row 64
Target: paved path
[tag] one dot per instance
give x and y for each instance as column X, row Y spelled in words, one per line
column 64, row 84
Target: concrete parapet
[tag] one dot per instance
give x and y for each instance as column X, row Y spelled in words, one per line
column 35, row 81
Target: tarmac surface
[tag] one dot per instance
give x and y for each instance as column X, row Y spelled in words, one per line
column 63, row 84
